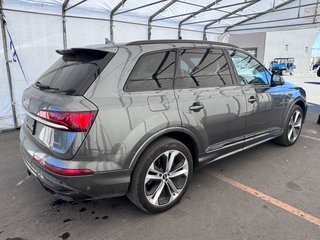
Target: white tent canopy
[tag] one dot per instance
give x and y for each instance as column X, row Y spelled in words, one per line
column 38, row 27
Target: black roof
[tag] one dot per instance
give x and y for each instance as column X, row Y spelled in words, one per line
column 177, row 41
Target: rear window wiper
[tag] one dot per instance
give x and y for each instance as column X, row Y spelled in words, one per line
column 43, row 86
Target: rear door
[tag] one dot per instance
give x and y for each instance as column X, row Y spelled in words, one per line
column 211, row 105
column 265, row 103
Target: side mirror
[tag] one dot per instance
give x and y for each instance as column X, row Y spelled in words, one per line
column 276, row 80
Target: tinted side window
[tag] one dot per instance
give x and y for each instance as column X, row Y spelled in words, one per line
column 153, row 71
column 203, row 68
column 249, row 70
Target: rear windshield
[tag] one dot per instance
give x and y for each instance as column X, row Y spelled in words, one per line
column 74, row 73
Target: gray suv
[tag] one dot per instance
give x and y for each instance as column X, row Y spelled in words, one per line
column 137, row 119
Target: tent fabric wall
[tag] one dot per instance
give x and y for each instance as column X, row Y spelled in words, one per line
column 35, row 38
column 82, row 32
column 6, row 118
column 36, row 29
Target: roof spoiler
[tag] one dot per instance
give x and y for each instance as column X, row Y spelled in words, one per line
column 82, row 52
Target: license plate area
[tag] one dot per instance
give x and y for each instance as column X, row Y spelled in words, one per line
column 31, row 125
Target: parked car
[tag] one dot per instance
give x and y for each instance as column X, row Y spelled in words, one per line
column 283, row 65
column 315, row 66
column 137, row 119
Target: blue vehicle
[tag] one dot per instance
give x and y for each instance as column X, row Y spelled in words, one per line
column 283, row 66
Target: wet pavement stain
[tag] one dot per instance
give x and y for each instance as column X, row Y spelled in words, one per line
column 64, row 236
column 93, row 212
column 67, row 220
column 96, row 218
column 105, row 217
column 83, row 209
column 1, row 232
column 293, row 186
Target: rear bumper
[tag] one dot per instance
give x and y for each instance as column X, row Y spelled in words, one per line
column 99, row 185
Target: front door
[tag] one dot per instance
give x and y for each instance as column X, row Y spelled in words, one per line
column 265, row 103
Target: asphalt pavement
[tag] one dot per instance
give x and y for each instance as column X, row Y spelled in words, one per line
column 268, row 192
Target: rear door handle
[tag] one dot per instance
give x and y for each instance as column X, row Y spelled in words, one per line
column 252, row 99
column 196, row 107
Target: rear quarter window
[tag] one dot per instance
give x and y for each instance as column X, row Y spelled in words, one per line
column 153, row 71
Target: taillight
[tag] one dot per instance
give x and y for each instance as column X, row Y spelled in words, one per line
column 73, row 121
column 62, row 171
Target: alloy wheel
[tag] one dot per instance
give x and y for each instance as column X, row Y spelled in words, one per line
column 166, row 178
column 295, row 124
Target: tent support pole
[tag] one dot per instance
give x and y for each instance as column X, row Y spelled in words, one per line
column 113, row 11
column 269, row 21
column 140, row 7
column 204, row 34
column 64, row 27
column 270, row 27
column 194, row 14
column 207, row 10
column 316, row 12
column 155, row 14
column 77, row 4
column 258, row 15
column 6, row 56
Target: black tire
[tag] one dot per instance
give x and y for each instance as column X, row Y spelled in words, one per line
column 284, row 138
column 153, row 155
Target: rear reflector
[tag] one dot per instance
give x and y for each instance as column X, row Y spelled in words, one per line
column 74, row 121
column 62, row 171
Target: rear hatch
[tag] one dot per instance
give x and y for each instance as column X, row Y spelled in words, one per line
column 58, row 115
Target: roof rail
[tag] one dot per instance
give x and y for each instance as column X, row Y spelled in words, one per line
column 168, row 41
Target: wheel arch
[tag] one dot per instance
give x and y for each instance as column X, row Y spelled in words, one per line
column 183, row 135
column 301, row 103
column 303, row 106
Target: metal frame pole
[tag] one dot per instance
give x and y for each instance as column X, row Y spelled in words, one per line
column 259, row 14
column 140, row 7
column 316, row 12
column 155, row 14
column 204, row 36
column 6, row 56
column 194, row 14
column 276, row 20
column 64, row 27
column 113, row 11
column 207, row 10
column 280, row 26
column 77, row 4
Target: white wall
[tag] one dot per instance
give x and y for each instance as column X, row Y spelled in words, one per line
column 250, row 40
column 297, row 41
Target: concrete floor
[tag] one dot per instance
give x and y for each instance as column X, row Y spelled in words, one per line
column 211, row 208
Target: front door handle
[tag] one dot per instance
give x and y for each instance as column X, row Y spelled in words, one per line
column 196, row 106
column 252, row 99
